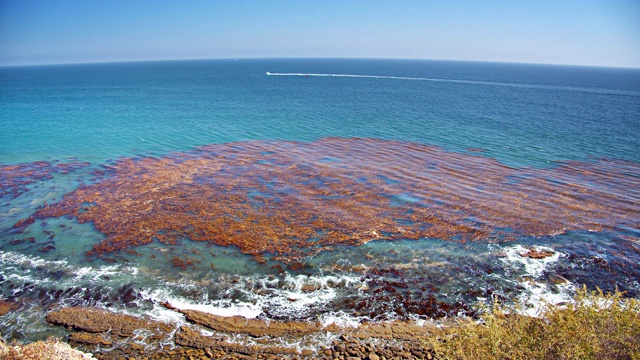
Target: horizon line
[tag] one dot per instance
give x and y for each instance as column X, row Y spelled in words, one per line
column 314, row 58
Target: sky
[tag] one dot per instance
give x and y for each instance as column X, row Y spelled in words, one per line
column 577, row 32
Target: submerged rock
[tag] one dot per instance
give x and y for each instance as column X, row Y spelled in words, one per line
column 557, row 279
column 537, row 254
column 6, row 307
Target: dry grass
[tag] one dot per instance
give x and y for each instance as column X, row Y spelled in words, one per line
column 52, row 349
column 596, row 326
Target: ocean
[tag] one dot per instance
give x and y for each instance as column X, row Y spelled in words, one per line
column 337, row 190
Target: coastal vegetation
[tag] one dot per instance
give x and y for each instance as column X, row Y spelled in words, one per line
column 594, row 326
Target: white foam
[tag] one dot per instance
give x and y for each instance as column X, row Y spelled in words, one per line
column 294, row 295
column 247, row 311
column 539, row 294
column 25, row 279
column 222, row 307
column 339, row 318
column 87, row 272
column 15, row 258
column 98, row 273
column 532, row 267
column 301, row 293
column 538, row 291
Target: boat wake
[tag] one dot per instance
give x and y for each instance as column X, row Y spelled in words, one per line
column 470, row 82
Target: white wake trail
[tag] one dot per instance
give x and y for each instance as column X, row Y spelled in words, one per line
column 469, row 82
column 351, row 76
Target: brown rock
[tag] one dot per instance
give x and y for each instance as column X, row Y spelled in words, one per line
column 6, row 307
column 90, row 338
column 253, row 327
column 368, row 330
column 310, row 287
column 557, row 279
column 168, row 306
column 193, row 338
column 537, row 254
column 99, row 320
column 373, row 356
column 399, row 330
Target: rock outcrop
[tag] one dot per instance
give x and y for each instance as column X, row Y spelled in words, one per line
column 112, row 335
column 537, row 254
column 91, row 320
column 253, row 327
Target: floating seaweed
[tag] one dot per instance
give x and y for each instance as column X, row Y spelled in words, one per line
column 281, row 199
column 15, row 178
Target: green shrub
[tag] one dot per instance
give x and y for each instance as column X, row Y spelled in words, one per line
column 595, row 326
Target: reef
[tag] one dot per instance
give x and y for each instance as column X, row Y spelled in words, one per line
column 14, row 179
column 288, row 200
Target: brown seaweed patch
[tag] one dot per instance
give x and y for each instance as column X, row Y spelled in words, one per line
column 15, row 178
column 283, row 199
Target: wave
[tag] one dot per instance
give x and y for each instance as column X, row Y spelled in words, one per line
column 537, row 291
column 32, row 268
column 472, row 82
column 292, row 296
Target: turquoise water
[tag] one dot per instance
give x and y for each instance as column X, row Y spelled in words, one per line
column 521, row 115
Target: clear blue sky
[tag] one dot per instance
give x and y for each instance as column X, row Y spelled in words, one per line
column 584, row 32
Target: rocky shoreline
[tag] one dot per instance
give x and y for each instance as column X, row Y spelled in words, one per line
column 110, row 335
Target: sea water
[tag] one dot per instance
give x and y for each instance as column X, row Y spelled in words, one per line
column 524, row 116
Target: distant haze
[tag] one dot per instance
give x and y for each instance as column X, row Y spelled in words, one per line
column 577, row 32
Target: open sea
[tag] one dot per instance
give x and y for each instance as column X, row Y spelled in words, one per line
column 335, row 190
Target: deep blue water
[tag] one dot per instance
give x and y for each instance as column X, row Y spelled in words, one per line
column 521, row 115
